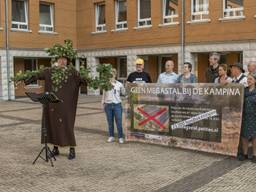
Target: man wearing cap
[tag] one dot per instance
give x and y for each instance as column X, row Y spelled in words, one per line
column 213, row 71
column 237, row 74
column 139, row 76
column 168, row 76
column 238, row 77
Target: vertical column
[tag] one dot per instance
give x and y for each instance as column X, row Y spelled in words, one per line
column 12, row 88
column 180, row 64
column 77, row 64
column 249, row 55
column 190, row 58
column 92, row 63
column 5, row 82
column 131, row 67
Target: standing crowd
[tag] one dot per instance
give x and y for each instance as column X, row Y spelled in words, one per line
column 216, row 73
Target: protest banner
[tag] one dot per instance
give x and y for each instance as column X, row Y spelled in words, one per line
column 204, row 117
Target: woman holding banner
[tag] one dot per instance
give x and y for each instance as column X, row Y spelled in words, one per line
column 249, row 117
column 112, row 105
column 223, row 78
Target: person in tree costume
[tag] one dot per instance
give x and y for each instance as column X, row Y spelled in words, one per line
column 64, row 80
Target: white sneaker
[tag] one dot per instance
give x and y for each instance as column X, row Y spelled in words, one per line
column 121, row 140
column 111, row 139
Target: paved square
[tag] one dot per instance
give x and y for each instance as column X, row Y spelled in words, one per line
column 102, row 166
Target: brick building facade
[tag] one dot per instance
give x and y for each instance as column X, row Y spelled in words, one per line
column 119, row 31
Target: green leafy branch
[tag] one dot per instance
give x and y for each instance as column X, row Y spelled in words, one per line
column 65, row 50
column 99, row 82
column 60, row 75
column 22, row 76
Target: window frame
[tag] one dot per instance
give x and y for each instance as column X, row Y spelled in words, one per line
column 18, row 23
column 117, row 23
column 146, row 22
column 233, row 11
column 200, row 13
column 172, row 17
column 34, row 63
column 102, row 27
column 41, row 26
column 119, row 67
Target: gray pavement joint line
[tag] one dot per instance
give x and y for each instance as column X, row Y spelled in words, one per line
column 92, row 131
column 15, row 124
column 31, row 120
column 17, row 118
column 86, row 114
column 21, row 109
column 31, row 108
column 202, row 177
column 30, row 102
column 91, row 108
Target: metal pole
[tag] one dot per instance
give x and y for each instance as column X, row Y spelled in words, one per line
column 7, row 48
column 183, row 20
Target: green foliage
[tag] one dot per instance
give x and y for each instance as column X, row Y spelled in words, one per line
column 85, row 73
column 21, row 76
column 65, row 50
column 99, row 82
column 60, row 75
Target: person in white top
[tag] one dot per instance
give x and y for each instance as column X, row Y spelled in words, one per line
column 168, row 76
column 237, row 74
column 238, row 77
column 223, row 78
column 112, row 105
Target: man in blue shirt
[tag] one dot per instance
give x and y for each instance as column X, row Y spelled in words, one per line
column 168, row 76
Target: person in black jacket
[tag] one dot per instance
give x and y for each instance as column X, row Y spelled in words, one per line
column 139, row 76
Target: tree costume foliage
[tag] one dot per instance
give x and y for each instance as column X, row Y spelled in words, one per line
column 60, row 75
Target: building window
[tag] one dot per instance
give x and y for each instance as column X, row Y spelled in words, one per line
column 122, row 68
column 170, row 11
column 100, row 17
column 31, row 65
column 121, row 14
column 144, row 13
column 46, row 17
column 20, row 14
column 199, row 10
column 233, row 8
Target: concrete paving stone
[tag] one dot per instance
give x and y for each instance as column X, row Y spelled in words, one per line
column 32, row 114
column 6, row 121
column 102, row 166
column 243, row 178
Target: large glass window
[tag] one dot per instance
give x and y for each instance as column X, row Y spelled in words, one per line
column 46, row 17
column 121, row 14
column 100, row 17
column 20, row 14
column 233, row 8
column 199, row 10
column 144, row 12
column 170, row 11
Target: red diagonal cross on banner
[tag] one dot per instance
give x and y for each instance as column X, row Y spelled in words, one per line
column 151, row 117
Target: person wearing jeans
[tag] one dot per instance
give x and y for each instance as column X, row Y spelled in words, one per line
column 112, row 104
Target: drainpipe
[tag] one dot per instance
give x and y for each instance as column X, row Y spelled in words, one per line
column 7, row 48
column 183, row 20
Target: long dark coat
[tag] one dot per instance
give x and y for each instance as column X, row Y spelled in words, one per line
column 60, row 117
column 249, row 114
